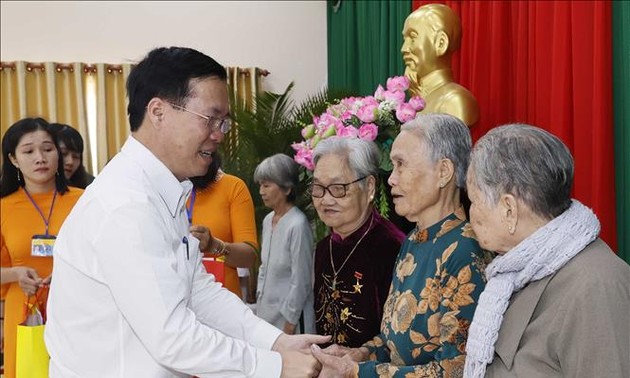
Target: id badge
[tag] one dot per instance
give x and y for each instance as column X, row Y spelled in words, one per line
column 42, row 245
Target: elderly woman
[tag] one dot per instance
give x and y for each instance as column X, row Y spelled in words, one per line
column 354, row 264
column 285, row 278
column 557, row 299
column 439, row 272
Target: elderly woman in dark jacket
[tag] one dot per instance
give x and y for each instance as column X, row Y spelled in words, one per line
column 355, row 262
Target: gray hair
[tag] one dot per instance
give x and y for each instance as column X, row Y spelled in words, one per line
column 527, row 162
column 362, row 156
column 281, row 170
column 445, row 136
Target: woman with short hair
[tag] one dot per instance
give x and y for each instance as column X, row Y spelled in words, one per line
column 285, row 278
column 354, row 263
column 557, row 299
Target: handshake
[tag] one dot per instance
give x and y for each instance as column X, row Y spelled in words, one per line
column 302, row 357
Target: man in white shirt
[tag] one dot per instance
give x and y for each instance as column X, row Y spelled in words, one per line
column 130, row 297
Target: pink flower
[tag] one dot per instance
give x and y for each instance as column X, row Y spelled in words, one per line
column 405, row 112
column 348, row 102
column 369, row 100
column 305, row 157
column 417, row 103
column 298, row 146
column 367, row 113
column 368, row 131
column 397, row 83
column 337, row 110
column 397, row 97
column 348, row 132
column 327, row 120
column 379, row 92
column 346, row 115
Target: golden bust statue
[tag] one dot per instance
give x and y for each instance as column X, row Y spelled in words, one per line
column 431, row 34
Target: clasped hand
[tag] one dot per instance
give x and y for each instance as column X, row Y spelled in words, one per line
column 338, row 361
column 301, row 357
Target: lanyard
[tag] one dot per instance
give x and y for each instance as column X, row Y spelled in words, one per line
column 189, row 208
column 46, row 220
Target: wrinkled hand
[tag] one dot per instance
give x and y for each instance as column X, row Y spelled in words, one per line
column 296, row 364
column 333, row 366
column 204, row 235
column 28, row 279
column 355, row 354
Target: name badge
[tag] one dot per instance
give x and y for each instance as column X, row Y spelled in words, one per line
column 42, row 245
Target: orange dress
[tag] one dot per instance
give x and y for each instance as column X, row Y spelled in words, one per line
column 19, row 221
column 227, row 209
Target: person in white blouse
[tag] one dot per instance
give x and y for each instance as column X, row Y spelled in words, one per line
column 285, row 279
column 141, row 304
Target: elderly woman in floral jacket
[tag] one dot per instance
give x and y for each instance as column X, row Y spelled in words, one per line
column 439, row 272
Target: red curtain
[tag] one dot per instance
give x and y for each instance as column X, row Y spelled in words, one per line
column 549, row 64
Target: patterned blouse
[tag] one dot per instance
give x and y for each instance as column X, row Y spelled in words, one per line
column 437, row 281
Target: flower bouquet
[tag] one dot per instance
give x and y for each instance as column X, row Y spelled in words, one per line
column 376, row 118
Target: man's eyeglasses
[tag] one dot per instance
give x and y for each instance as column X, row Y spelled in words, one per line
column 335, row 190
column 222, row 124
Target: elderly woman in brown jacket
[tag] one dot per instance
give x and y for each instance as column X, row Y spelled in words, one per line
column 557, row 299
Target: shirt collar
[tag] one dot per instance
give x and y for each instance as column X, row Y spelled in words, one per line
column 440, row 228
column 171, row 191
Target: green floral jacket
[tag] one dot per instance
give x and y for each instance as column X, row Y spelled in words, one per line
column 437, row 281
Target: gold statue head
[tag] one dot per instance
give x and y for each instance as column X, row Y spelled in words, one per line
column 431, row 34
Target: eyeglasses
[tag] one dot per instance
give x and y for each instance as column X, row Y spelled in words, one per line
column 222, row 124
column 335, row 190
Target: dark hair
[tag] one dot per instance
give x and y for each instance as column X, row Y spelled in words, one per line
column 166, row 73
column 9, row 182
column 202, row 182
column 73, row 141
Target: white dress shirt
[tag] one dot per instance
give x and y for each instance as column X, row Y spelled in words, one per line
column 130, row 298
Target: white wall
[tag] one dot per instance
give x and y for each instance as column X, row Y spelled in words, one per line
column 288, row 38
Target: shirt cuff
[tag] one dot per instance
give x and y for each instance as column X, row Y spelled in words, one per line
column 264, row 335
column 268, row 364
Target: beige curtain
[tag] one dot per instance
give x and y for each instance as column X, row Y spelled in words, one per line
column 53, row 91
column 88, row 97
column 112, row 124
column 244, row 84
